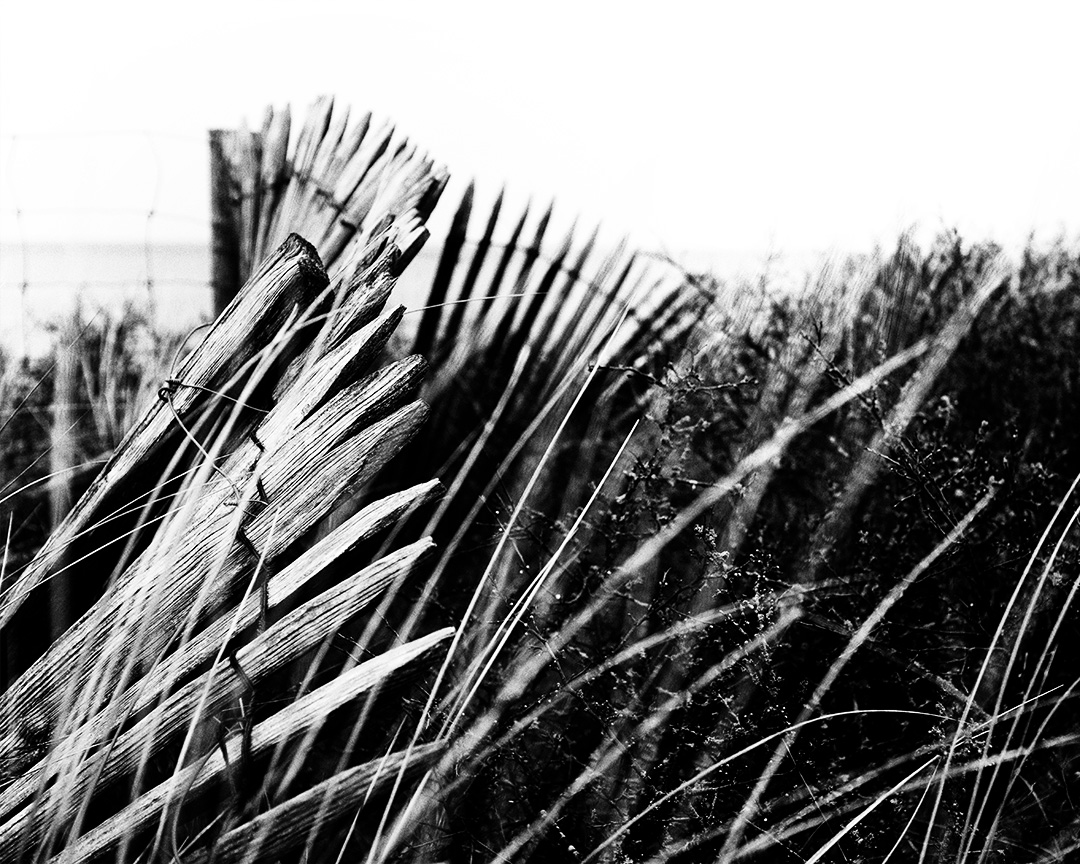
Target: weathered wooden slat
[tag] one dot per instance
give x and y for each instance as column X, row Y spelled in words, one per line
column 282, row 726
column 273, row 174
column 309, row 462
column 179, row 665
column 348, row 148
column 440, row 286
column 315, row 186
column 391, row 192
column 201, row 698
column 314, row 481
column 479, row 255
column 212, row 520
column 361, row 161
column 315, row 125
column 310, row 379
column 292, row 277
column 358, row 295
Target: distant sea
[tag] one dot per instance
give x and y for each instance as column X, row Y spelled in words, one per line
column 42, row 283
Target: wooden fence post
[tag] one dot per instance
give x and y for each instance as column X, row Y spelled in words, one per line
column 224, row 231
column 62, row 460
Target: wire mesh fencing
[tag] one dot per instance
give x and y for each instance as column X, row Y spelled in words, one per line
column 103, row 221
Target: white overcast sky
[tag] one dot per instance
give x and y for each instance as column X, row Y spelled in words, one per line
column 713, row 127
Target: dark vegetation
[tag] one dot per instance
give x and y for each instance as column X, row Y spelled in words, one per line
column 977, row 653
